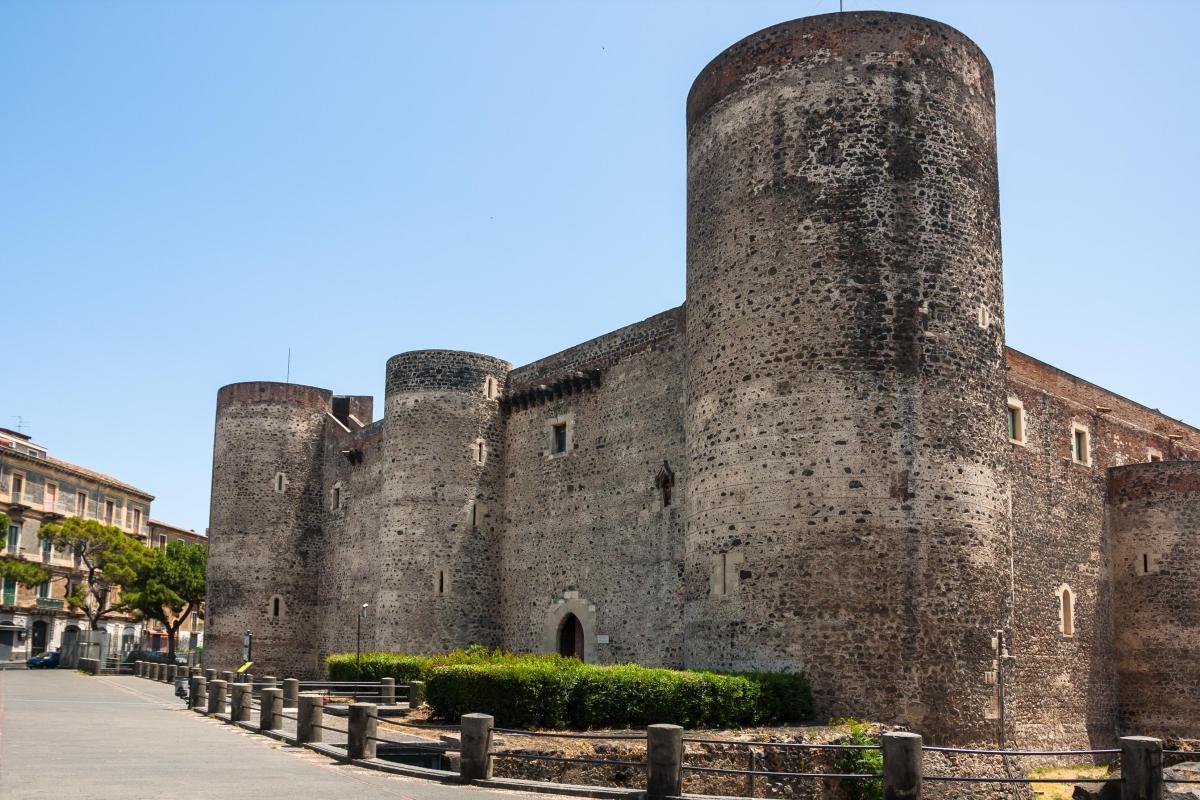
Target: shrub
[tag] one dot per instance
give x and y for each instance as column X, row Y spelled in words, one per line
column 549, row 691
column 860, row 761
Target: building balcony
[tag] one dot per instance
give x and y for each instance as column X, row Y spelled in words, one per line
column 50, row 603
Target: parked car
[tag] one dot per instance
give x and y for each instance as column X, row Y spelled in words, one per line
column 44, row 661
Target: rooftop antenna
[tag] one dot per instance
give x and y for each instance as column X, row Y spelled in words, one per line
column 20, row 423
column 288, row 379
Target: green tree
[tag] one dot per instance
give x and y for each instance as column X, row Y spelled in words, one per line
column 111, row 560
column 170, row 587
column 19, row 570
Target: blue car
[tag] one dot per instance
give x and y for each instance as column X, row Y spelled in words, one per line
column 44, row 661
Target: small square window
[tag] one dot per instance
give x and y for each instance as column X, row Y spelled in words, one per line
column 560, row 438
column 1080, row 445
column 1153, row 455
column 1016, row 422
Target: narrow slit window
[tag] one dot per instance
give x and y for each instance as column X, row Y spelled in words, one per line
column 280, row 482
column 1145, row 563
column 1068, row 614
column 560, row 438
column 441, row 588
column 1016, row 422
column 474, row 515
column 480, row 451
column 275, row 607
column 336, row 502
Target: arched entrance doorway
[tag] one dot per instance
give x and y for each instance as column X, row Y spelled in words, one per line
column 570, row 637
column 38, row 645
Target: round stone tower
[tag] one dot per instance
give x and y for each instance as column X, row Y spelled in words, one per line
column 443, row 476
column 845, row 368
column 265, row 527
column 1154, row 525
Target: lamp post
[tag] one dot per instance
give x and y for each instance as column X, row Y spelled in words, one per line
column 358, row 650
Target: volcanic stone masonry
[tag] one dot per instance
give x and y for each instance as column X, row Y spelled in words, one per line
column 826, row 459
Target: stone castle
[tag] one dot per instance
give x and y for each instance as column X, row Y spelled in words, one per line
column 826, row 459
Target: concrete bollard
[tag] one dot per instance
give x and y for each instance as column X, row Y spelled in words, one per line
column 664, row 761
column 416, row 694
column 228, row 676
column 360, row 734
column 169, row 674
column 476, row 761
column 195, row 672
column 291, row 690
column 216, row 696
column 901, row 766
column 270, row 703
column 387, row 691
column 239, row 702
column 310, row 715
column 200, row 694
column 137, row 669
column 250, row 683
column 210, row 674
column 1141, row 768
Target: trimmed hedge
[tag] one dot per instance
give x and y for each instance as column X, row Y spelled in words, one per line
column 549, row 691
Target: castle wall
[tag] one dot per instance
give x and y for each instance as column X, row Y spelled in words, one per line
column 353, row 465
column 266, row 534
column 586, row 531
column 844, row 364
column 1154, row 519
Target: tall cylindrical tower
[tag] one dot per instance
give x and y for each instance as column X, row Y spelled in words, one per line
column 265, row 527
column 1154, row 524
column 845, row 367
column 442, row 478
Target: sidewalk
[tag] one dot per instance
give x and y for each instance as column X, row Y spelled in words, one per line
column 63, row 734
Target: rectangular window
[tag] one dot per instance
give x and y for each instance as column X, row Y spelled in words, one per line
column 81, row 505
column 162, row 542
column 8, row 587
column 14, row 538
column 47, row 547
column 1016, row 421
column 1154, row 455
column 135, row 521
column 18, row 487
column 109, row 509
column 560, row 438
column 43, row 590
column 50, row 501
column 337, row 497
column 1080, row 445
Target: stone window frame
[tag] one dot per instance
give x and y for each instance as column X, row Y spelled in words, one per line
column 1014, row 404
column 725, row 576
column 336, row 496
column 441, row 582
column 1153, row 454
column 276, row 607
column 567, row 419
column 1146, row 563
column 491, row 388
column 984, row 316
column 1067, row 616
column 1076, row 429
column 280, row 482
column 479, row 451
column 18, row 497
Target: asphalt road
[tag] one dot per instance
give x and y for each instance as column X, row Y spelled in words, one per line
column 64, row 734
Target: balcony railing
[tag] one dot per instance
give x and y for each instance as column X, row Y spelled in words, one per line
column 49, row 602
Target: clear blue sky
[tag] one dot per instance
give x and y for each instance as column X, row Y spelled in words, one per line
column 188, row 189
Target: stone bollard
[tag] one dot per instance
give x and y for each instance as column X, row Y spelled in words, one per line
column 291, row 690
column 239, row 702
column 200, row 694
column 1141, row 768
column 476, row 761
column 270, row 703
column 210, row 674
column 360, row 734
column 250, row 682
column 901, row 766
column 195, row 672
column 216, row 697
column 169, row 674
column 416, row 694
column 310, row 715
column 664, row 761
column 228, row 676
column 152, row 670
column 137, row 669
column 387, row 691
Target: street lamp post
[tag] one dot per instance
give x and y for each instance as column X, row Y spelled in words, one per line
column 358, row 651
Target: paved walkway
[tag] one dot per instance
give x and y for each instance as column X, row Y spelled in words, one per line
column 63, row 734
